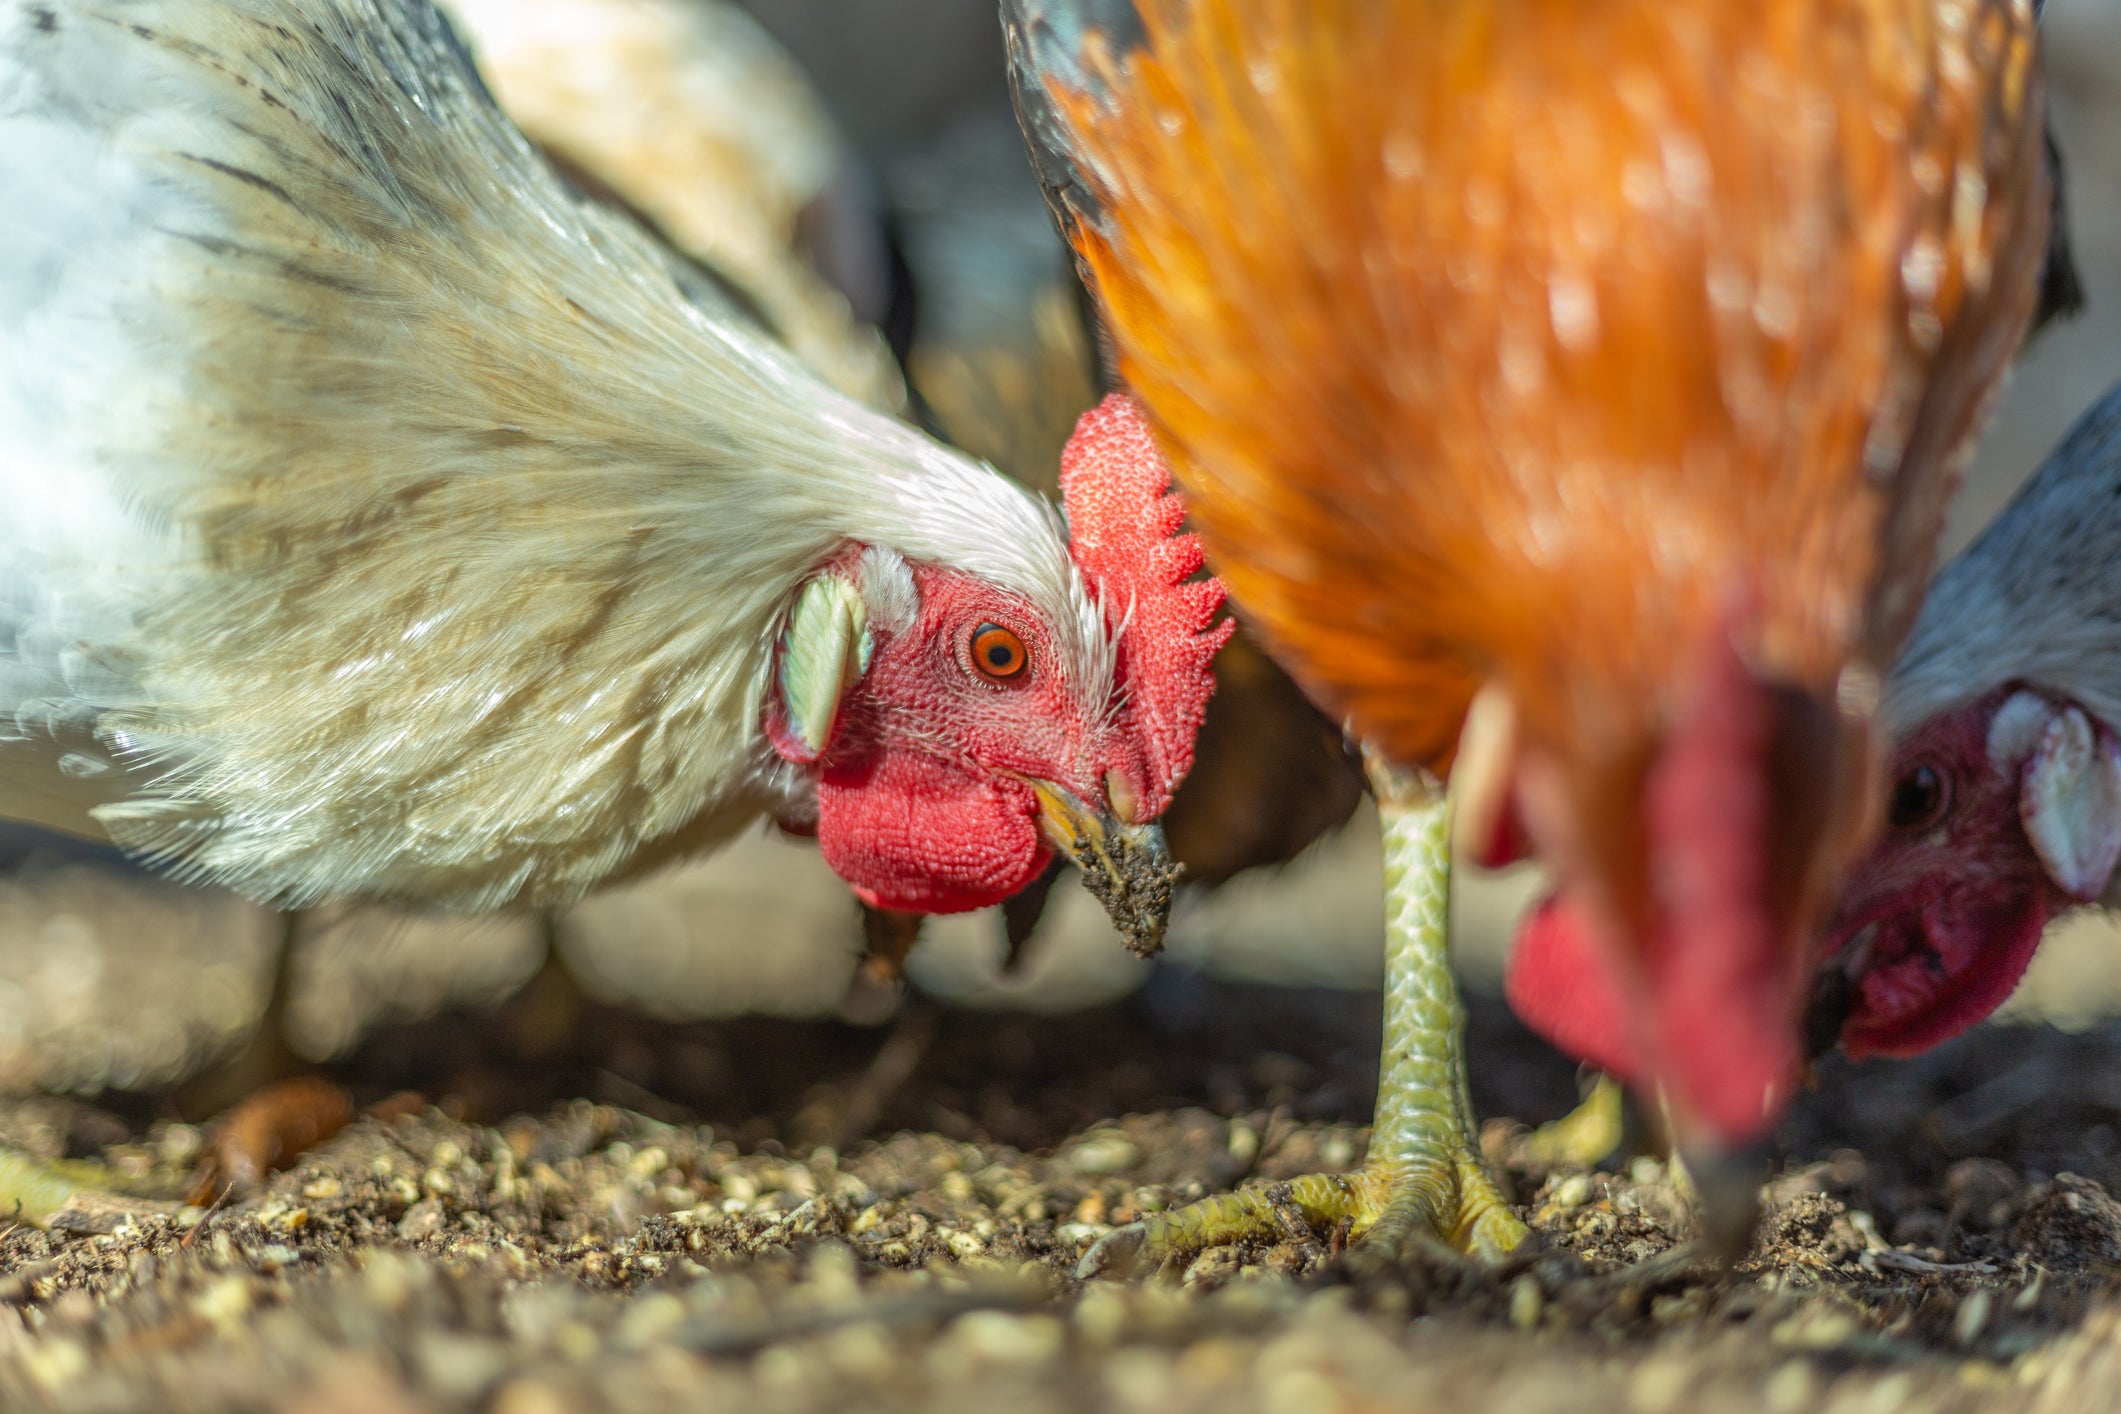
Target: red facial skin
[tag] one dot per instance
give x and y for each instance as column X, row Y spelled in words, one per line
column 1957, row 893
column 1958, row 897
column 924, row 804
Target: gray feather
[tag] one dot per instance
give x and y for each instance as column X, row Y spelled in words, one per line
column 2037, row 597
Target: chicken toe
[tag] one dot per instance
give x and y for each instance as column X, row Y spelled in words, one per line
column 1585, row 1136
column 1424, row 1180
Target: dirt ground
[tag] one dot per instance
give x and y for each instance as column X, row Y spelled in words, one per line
column 788, row 1215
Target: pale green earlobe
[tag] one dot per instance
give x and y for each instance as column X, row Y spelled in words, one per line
column 824, row 652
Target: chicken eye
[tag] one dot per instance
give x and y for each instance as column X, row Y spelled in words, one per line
column 997, row 653
column 1918, row 798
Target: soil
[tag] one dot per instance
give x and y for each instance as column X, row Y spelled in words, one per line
column 784, row 1215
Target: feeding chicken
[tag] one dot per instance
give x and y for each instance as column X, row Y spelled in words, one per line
column 393, row 523
column 680, row 108
column 1952, row 874
column 1571, row 395
column 2005, row 805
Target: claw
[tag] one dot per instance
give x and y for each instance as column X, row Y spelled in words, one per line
column 1113, row 1254
column 1586, row 1135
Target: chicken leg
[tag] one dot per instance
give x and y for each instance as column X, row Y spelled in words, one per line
column 1424, row 1179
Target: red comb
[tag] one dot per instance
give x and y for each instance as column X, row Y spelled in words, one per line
column 1123, row 525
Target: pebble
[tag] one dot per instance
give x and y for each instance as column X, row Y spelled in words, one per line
column 648, row 1319
column 1572, row 1192
column 422, row 1219
column 458, row 1366
column 1527, row 1302
column 576, row 1341
column 1972, row 1316
column 1002, row 1339
column 1815, row 1330
column 1101, row 1155
column 1140, row 1379
column 54, row 1362
column 1101, row 1315
column 180, row 1144
column 1791, row 1388
column 528, row 1397
column 273, row 1258
column 1658, row 1385
column 865, row 1351
column 225, row 1302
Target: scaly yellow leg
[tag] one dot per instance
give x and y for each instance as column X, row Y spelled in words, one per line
column 1424, row 1179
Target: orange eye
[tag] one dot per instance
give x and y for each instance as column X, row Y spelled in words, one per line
column 997, row 653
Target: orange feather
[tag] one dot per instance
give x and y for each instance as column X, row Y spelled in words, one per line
column 1518, row 340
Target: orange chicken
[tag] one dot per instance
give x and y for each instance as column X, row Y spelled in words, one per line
column 1571, row 395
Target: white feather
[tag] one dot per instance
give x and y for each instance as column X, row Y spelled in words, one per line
column 385, row 508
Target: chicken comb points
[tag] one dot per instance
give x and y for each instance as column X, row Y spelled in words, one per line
column 1123, row 531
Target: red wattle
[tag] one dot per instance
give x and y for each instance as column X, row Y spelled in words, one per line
column 1943, row 970
column 977, row 838
column 1561, row 988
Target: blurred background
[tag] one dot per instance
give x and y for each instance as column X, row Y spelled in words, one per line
column 917, row 206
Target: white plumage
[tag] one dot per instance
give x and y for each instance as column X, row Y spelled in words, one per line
column 688, row 112
column 383, row 519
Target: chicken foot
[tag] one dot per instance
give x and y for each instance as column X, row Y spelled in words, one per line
column 1587, row 1135
column 1424, row 1180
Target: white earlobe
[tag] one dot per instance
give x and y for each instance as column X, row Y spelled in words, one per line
column 2070, row 802
column 824, row 651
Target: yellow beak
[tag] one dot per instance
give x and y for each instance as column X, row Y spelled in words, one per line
column 1126, row 867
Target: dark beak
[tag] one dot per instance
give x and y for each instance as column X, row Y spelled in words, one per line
column 1834, row 994
column 1126, row 867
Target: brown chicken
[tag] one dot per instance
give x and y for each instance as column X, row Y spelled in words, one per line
column 1571, row 393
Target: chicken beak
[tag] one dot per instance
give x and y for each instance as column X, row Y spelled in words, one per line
column 1726, row 1189
column 1126, row 867
column 1836, row 988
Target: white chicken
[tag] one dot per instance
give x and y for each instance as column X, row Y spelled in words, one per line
column 393, row 523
